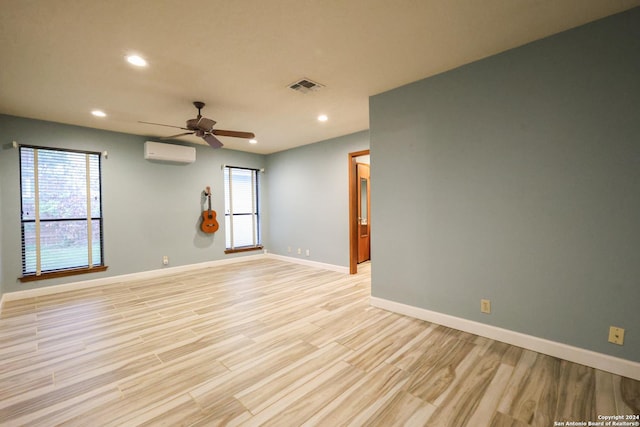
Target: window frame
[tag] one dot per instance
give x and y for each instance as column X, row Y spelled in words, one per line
column 63, row 271
column 229, row 214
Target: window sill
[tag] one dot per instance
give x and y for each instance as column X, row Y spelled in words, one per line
column 244, row 249
column 62, row 273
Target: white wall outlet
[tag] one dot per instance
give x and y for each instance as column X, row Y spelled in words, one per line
column 299, row 251
column 289, row 249
column 307, row 252
column 165, row 260
column 616, row 335
column 485, row 306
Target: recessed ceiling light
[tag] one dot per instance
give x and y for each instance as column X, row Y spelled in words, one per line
column 253, row 141
column 136, row 60
column 99, row 113
column 323, row 118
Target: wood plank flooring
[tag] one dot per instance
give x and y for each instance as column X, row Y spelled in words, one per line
column 265, row 342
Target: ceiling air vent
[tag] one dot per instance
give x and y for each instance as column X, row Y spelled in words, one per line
column 305, row 86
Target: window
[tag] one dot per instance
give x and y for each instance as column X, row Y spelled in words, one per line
column 242, row 212
column 61, row 212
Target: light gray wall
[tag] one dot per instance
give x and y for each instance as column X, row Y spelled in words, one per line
column 309, row 199
column 517, row 178
column 149, row 209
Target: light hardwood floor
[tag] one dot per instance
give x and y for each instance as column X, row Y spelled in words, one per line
column 266, row 342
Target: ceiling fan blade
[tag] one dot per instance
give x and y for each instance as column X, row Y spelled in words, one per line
column 212, row 140
column 233, row 133
column 175, row 136
column 205, row 124
column 160, row 124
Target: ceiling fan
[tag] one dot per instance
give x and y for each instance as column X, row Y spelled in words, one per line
column 203, row 127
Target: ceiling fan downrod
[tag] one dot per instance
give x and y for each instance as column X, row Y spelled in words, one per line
column 199, row 105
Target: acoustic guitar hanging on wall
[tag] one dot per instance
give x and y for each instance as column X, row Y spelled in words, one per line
column 209, row 223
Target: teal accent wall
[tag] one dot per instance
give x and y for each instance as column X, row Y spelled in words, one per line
column 150, row 209
column 309, row 199
column 517, row 178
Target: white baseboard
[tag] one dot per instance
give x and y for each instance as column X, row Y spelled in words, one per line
column 322, row 265
column 623, row 367
column 30, row 293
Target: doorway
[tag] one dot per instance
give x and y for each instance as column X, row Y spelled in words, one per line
column 359, row 209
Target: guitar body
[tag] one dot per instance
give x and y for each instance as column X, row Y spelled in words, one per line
column 209, row 223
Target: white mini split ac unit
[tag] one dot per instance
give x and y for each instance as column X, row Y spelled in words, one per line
column 169, row 152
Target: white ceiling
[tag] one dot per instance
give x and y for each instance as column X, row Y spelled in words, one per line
column 59, row 59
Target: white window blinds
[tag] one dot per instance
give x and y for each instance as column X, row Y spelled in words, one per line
column 61, row 210
column 242, row 212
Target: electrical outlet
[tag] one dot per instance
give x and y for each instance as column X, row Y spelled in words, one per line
column 616, row 335
column 299, row 251
column 485, row 306
column 289, row 249
column 307, row 252
column 165, row 260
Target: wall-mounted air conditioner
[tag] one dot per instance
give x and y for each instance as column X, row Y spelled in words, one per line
column 169, row 152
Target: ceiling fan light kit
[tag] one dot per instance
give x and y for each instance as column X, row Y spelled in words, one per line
column 203, row 127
